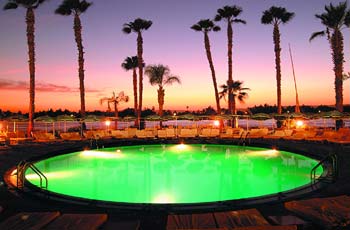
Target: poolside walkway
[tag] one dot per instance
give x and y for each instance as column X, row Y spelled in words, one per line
column 12, row 202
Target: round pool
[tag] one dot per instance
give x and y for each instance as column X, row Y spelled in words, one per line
column 174, row 174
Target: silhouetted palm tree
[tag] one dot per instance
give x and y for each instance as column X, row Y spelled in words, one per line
column 30, row 6
column 229, row 14
column 236, row 90
column 131, row 63
column 137, row 26
column 160, row 75
column 115, row 100
column 276, row 16
column 335, row 19
column 205, row 26
column 76, row 8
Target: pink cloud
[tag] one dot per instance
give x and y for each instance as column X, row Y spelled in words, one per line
column 41, row 87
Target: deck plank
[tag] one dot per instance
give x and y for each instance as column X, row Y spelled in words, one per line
column 77, row 221
column 240, row 218
column 191, row 221
column 28, row 220
column 329, row 212
column 285, row 227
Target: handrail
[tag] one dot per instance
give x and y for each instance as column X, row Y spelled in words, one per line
column 331, row 158
column 243, row 139
column 22, row 167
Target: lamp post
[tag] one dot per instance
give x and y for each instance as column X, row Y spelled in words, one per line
column 174, row 114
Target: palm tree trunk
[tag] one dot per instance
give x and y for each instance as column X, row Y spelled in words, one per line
column 115, row 115
column 161, row 95
column 210, row 60
column 140, row 63
column 338, row 60
column 230, row 79
column 78, row 38
column 30, row 20
column 134, row 79
column 276, row 40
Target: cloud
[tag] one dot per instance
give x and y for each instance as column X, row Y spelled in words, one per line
column 41, row 87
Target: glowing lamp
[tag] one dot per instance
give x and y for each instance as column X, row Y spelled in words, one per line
column 216, row 123
column 107, row 123
column 299, row 123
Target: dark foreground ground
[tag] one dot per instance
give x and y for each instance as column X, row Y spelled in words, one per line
column 13, row 201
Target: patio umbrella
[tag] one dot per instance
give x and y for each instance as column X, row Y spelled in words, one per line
column 333, row 114
column 47, row 119
column 260, row 117
column 66, row 118
column 16, row 119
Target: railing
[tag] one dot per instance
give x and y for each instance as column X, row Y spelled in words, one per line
column 22, row 167
column 243, row 138
column 331, row 159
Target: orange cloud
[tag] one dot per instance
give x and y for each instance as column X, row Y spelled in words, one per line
column 40, row 87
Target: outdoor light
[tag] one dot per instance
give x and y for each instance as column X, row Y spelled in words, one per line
column 299, row 123
column 216, row 123
column 108, row 123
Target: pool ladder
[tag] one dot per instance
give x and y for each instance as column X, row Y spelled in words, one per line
column 331, row 159
column 242, row 139
column 21, row 169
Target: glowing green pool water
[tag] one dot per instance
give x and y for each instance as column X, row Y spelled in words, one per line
column 174, row 173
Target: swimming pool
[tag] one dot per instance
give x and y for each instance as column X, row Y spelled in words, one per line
column 174, row 174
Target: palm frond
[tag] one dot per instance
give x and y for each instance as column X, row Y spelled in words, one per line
column 239, row 21
column 317, row 34
column 10, row 6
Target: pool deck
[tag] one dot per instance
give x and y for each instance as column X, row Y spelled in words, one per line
column 13, row 202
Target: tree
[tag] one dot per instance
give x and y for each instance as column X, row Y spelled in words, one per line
column 76, row 8
column 160, row 75
column 205, row 26
column 230, row 14
column 276, row 16
column 237, row 92
column 335, row 19
column 131, row 63
column 137, row 26
column 115, row 100
column 30, row 6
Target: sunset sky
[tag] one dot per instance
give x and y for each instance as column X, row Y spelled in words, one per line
column 169, row 41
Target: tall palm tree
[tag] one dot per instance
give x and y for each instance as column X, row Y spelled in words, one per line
column 115, row 100
column 335, row 19
column 137, row 26
column 76, row 8
column 205, row 26
column 131, row 63
column 237, row 91
column 230, row 14
column 160, row 75
column 30, row 6
column 276, row 16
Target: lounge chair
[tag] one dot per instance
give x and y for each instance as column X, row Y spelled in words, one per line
column 74, row 136
column 43, row 136
column 170, row 132
column 119, row 133
column 161, row 133
column 278, row 134
column 185, row 132
column 258, row 133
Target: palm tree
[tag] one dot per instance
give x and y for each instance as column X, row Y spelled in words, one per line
column 137, row 26
column 131, row 63
column 30, row 6
column 77, row 7
column 335, row 19
column 276, row 16
column 205, row 26
column 115, row 100
column 237, row 91
column 160, row 75
column 229, row 14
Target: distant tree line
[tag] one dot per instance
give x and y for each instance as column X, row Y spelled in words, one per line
column 269, row 109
